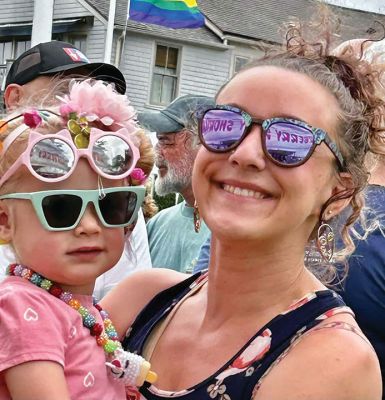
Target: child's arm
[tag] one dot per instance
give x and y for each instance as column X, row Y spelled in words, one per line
column 37, row 380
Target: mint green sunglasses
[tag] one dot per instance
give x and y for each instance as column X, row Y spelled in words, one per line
column 62, row 210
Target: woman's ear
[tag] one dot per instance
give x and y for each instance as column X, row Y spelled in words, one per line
column 342, row 193
column 5, row 226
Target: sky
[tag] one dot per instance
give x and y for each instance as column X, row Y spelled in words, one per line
column 375, row 6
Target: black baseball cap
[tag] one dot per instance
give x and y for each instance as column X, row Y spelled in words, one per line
column 176, row 115
column 53, row 57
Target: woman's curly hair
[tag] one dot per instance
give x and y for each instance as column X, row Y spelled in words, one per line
column 355, row 83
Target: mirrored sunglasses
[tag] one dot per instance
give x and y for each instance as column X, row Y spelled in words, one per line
column 52, row 158
column 61, row 210
column 286, row 142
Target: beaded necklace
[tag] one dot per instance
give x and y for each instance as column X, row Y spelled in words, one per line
column 123, row 364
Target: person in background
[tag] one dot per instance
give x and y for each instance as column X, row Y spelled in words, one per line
column 283, row 154
column 174, row 238
column 363, row 282
column 32, row 77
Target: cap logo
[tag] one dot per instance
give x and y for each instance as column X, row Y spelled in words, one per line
column 76, row 55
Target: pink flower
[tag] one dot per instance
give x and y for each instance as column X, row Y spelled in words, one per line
column 66, row 109
column 32, row 119
column 137, row 175
column 99, row 102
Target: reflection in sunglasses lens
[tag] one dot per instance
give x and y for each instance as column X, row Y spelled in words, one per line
column 221, row 129
column 112, row 155
column 118, row 207
column 288, row 143
column 52, row 158
column 61, row 210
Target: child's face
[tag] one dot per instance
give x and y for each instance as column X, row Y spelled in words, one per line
column 73, row 258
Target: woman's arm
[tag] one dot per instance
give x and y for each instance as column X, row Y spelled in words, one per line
column 129, row 297
column 326, row 364
column 37, row 380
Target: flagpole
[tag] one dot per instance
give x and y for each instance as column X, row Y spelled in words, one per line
column 124, row 34
column 110, row 32
column 128, row 8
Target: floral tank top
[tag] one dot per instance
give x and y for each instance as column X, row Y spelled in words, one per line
column 241, row 376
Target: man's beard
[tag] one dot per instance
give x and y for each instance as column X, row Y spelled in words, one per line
column 177, row 178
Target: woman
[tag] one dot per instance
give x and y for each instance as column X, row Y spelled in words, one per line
column 283, row 154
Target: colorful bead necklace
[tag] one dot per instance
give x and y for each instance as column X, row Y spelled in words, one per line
column 123, row 364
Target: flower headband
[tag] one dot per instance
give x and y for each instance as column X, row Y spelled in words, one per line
column 87, row 102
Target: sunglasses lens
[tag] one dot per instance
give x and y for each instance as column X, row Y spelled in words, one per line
column 221, row 129
column 117, row 208
column 61, row 210
column 112, row 155
column 52, row 158
column 288, row 143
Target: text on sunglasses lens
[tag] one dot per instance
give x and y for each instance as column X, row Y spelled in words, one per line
column 285, row 141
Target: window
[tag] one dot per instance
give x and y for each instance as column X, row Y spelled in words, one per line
column 11, row 48
column 79, row 41
column 165, row 76
column 239, row 62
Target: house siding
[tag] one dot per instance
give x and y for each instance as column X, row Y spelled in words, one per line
column 22, row 11
column 69, row 9
column 16, row 11
column 95, row 41
column 136, row 65
column 202, row 70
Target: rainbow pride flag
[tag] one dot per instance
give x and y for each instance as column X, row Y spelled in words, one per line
column 175, row 14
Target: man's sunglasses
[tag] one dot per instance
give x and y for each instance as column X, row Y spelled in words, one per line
column 52, row 158
column 286, row 142
column 62, row 210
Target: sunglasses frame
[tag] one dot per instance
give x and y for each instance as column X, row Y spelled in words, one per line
column 319, row 135
column 64, row 135
column 87, row 196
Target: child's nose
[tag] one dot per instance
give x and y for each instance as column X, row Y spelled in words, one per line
column 89, row 222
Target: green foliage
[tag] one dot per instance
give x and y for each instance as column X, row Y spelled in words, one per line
column 166, row 201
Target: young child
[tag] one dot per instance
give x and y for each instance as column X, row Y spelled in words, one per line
column 64, row 207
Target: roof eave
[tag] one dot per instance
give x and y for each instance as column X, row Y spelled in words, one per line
column 184, row 40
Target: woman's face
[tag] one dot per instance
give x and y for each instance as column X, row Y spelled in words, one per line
column 243, row 195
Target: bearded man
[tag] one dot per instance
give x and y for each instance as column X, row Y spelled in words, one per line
column 173, row 240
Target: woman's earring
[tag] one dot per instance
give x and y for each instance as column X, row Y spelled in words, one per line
column 197, row 218
column 325, row 241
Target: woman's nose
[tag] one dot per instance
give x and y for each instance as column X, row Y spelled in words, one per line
column 249, row 153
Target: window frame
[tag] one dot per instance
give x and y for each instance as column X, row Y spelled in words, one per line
column 176, row 75
column 240, row 56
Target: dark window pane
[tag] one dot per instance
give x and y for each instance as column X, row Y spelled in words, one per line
column 172, row 61
column 161, row 56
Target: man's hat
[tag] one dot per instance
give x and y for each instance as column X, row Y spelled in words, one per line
column 176, row 115
column 54, row 57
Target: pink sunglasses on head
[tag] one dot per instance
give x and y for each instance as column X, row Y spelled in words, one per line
column 53, row 158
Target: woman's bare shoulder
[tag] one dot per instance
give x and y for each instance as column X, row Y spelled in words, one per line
column 127, row 299
column 328, row 363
